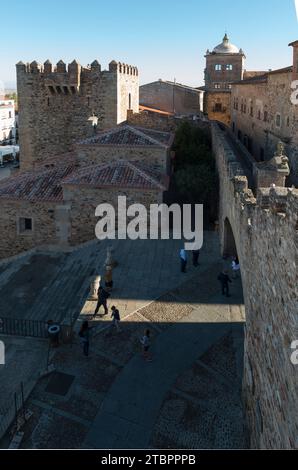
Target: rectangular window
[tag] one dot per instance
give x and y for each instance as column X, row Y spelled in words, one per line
column 217, row 86
column 229, row 67
column 25, row 225
column 278, row 120
column 218, row 67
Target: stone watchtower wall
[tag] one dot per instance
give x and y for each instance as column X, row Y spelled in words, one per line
column 56, row 103
column 263, row 229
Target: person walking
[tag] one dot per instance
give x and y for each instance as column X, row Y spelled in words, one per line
column 145, row 341
column 195, row 258
column 183, row 259
column 103, row 295
column 224, row 279
column 116, row 317
column 84, row 334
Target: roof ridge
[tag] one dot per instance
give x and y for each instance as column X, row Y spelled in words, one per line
column 144, row 174
column 81, row 172
column 119, row 128
column 142, row 134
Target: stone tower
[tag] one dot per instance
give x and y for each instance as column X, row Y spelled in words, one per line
column 56, row 104
column 224, row 65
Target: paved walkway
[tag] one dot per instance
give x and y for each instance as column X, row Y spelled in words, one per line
column 128, row 413
column 188, row 397
column 54, row 286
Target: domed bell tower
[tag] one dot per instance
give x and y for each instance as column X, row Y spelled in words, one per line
column 224, row 65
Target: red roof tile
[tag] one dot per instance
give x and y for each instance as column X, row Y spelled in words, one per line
column 129, row 136
column 118, row 174
column 43, row 185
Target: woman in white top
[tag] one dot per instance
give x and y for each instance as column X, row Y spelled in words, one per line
column 235, row 267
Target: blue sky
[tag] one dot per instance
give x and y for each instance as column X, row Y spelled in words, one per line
column 165, row 38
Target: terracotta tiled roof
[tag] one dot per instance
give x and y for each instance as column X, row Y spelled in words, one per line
column 121, row 174
column 166, row 138
column 42, row 185
column 129, row 136
column 155, row 110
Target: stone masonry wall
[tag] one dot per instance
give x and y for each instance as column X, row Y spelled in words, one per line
column 44, row 231
column 215, row 98
column 266, row 237
column 55, row 105
column 85, row 200
column 172, row 98
column 257, row 120
column 162, row 123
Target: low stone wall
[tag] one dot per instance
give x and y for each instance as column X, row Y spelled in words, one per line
column 162, row 123
column 265, row 233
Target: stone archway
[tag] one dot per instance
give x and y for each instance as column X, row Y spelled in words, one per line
column 229, row 244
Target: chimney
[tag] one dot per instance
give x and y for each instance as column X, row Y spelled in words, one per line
column 295, row 60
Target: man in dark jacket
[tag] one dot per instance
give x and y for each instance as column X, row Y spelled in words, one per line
column 103, row 295
column 224, row 279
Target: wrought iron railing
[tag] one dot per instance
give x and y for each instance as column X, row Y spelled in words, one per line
column 23, row 327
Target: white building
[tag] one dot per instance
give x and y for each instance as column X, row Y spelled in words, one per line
column 7, row 122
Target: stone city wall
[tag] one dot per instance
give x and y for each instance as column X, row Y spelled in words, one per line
column 264, row 230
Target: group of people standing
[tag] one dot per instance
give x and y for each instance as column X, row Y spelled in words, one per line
column 184, row 259
column 84, row 332
column 223, row 277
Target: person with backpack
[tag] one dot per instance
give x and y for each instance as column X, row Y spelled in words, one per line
column 116, row 317
column 103, row 296
column 224, row 279
column 145, row 341
column 84, row 334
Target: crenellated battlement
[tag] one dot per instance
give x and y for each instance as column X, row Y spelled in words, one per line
column 63, row 79
column 278, row 200
column 47, row 68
